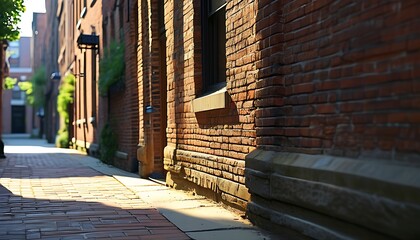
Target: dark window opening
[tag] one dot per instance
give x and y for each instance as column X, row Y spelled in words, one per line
column 214, row 44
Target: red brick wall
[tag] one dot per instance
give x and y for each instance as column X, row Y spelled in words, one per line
column 86, row 100
column 337, row 88
column 210, row 145
column 122, row 101
column 52, row 48
column 339, row 77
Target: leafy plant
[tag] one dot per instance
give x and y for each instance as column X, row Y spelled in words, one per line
column 111, row 67
column 64, row 99
column 27, row 87
column 65, row 96
column 10, row 12
column 35, row 88
column 9, row 83
column 108, row 144
column 62, row 140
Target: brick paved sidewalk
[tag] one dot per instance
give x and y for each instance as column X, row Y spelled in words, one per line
column 50, row 195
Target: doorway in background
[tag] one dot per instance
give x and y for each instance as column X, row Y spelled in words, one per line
column 18, row 119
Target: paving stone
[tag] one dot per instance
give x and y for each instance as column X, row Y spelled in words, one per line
column 52, row 195
column 65, row 195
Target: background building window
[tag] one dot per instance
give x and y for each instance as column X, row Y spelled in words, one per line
column 13, row 49
column 214, row 44
column 17, row 94
column 13, row 54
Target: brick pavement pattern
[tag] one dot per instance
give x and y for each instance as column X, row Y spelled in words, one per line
column 54, row 196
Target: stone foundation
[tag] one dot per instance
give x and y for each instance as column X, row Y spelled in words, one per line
column 327, row 197
column 206, row 175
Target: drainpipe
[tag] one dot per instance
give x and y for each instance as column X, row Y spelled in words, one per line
column 85, row 124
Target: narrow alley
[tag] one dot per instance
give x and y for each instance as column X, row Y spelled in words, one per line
column 52, row 193
column 210, row 119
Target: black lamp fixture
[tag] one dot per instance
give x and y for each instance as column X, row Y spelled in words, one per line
column 85, row 41
column 55, row 76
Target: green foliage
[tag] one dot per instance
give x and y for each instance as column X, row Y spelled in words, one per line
column 9, row 83
column 62, row 140
column 39, row 81
column 111, row 67
column 27, row 87
column 108, row 144
column 10, row 12
column 64, row 99
column 35, row 88
column 65, row 96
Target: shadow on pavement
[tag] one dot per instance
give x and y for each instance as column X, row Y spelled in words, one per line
column 53, row 193
column 31, row 218
column 47, row 193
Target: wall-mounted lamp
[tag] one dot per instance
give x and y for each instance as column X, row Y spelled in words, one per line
column 150, row 109
column 85, row 41
column 55, row 76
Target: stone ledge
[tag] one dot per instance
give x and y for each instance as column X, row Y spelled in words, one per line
column 121, row 155
column 302, row 221
column 212, row 101
column 378, row 195
column 402, row 180
column 80, row 145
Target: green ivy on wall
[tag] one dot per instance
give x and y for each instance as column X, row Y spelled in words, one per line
column 108, row 144
column 111, row 67
column 64, row 99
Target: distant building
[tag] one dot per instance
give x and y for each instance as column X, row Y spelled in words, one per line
column 17, row 115
column 76, row 18
column 44, row 56
column 51, row 118
column 113, row 22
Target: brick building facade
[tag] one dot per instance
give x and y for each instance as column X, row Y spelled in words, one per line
column 119, row 108
column 112, row 21
column 152, row 84
column 318, row 109
column 337, row 127
column 44, row 55
column 17, row 116
column 302, row 113
column 210, row 130
column 87, row 19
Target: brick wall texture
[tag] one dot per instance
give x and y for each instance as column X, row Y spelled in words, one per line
column 337, row 115
column 321, row 94
column 338, row 77
column 211, row 146
column 86, row 97
column 122, row 101
column 312, row 78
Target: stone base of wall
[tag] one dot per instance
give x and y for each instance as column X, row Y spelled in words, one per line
column 327, row 197
column 80, row 145
column 121, row 159
column 183, row 174
column 94, row 150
